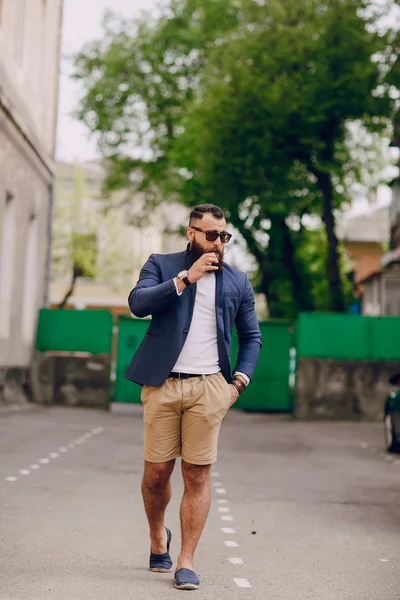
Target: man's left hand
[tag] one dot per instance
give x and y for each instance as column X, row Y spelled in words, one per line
column 234, row 394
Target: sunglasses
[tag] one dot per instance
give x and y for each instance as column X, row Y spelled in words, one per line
column 211, row 236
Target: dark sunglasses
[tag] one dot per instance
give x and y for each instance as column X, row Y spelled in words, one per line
column 211, row 236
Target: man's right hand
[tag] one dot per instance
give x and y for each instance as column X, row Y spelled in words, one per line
column 203, row 265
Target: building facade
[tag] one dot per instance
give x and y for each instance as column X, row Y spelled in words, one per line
column 123, row 238
column 30, row 33
column 364, row 236
column 382, row 289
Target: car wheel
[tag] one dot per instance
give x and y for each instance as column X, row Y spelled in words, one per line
column 392, row 443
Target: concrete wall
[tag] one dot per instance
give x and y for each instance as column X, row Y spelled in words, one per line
column 29, row 69
column 30, row 32
column 71, row 380
column 342, row 389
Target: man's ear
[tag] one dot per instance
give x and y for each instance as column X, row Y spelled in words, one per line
column 190, row 234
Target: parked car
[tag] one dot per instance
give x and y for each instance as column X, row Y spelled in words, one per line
column 392, row 417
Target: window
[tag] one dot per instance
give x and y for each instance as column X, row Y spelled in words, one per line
column 30, row 281
column 7, row 251
column 392, row 298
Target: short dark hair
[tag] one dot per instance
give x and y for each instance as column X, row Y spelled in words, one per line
column 203, row 209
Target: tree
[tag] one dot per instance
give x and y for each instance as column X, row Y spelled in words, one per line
column 87, row 242
column 246, row 104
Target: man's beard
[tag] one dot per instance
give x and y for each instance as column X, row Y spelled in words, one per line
column 196, row 251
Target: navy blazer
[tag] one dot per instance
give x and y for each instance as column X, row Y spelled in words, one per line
column 155, row 294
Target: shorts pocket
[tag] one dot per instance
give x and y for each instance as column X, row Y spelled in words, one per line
column 150, row 402
column 217, row 400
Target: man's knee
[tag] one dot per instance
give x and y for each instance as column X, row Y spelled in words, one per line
column 195, row 476
column 157, row 475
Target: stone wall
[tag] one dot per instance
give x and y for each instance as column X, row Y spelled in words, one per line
column 342, row 389
column 79, row 379
column 14, row 387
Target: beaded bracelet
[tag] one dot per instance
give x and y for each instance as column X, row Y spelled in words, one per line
column 239, row 385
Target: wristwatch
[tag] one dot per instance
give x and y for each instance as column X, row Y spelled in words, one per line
column 183, row 276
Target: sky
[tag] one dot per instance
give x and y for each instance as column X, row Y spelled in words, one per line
column 82, row 23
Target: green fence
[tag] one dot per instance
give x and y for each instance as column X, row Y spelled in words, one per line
column 75, row 331
column 348, row 337
column 269, row 389
column 130, row 334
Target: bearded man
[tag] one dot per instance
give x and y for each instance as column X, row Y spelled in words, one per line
column 183, row 364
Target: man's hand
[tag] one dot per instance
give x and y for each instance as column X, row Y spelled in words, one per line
column 234, row 394
column 205, row 264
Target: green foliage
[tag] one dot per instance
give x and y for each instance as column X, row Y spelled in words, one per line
column 84, row 254
column 246, row 104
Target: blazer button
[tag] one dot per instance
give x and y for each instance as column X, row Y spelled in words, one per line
column 186, row 331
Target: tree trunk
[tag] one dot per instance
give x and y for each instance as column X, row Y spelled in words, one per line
column 70, row 290
column 337, row 303
column 261, row 258
column 300, row 283
column 270, row 292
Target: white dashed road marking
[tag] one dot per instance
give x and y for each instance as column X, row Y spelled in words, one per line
column 45, row 461
column 231, row 544
column 242, row 582
column 215, row 474
column 227, row 530
column 236, row 561
column 384, row 559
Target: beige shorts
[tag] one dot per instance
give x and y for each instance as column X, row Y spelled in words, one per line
column 182, row 417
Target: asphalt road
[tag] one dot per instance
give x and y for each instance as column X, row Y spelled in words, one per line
column 300, row 511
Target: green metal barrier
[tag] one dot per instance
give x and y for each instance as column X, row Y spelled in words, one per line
column 348, row 337
column 75, row 331
column 384, row 335
column 269, row 389
column 130, row 334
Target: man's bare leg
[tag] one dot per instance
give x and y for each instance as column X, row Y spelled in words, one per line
column 156, row 491
column 194, row 510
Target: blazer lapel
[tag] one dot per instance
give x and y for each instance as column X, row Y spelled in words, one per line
column 190, row 292
column 219, row 310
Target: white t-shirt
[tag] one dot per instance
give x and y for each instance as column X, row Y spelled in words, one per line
column 200, row 351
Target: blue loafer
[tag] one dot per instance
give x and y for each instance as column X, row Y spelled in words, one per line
column 162, row 563
column 185, row 579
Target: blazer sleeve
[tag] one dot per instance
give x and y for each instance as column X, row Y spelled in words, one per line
column 249, row 334
column 151, row 295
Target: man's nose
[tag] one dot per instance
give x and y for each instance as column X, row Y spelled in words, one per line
column 218, row 241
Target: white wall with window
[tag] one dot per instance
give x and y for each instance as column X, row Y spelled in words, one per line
column 30, row 34
column 29, row 308
column 7, row 263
